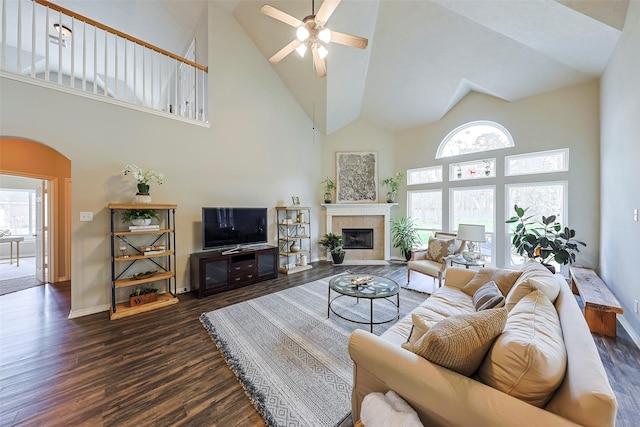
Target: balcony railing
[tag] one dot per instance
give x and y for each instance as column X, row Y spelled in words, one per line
column 43, row 41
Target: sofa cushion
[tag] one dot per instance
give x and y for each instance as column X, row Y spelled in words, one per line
column 528, row 360
column 503, row 278
column 488, row 296
column 438, row 249
column 460, row 342
column 419, row 326
column 547, row 284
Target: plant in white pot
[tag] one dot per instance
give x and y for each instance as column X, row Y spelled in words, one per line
column 139, row 216
column 143, row 178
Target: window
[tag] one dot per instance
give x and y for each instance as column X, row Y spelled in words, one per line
column 540, row 162
column 424, row 175
column 472, row 170
column 541, row 198
column 425, row 208
column 474, row 137
column 18, row 211
column 475, row 205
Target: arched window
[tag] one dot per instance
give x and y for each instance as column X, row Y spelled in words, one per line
column 474, row 137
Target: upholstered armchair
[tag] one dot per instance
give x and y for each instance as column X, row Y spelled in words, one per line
column 433, row 260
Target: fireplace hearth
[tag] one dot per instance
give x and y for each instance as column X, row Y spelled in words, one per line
column 357, row 238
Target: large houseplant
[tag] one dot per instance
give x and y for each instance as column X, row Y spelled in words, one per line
column 405, row 235
column 334, row 243
column 543, row 240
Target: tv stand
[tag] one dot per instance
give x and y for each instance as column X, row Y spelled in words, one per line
column 221, row 270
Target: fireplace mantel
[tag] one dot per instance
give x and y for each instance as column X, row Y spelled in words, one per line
column 363, row 209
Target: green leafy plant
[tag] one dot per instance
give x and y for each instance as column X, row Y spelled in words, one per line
column 544, row 240
column 332, row 242
column 328, row 185
column 131, row 214
column 144, row 291
column 393, row 182
column 405, row 235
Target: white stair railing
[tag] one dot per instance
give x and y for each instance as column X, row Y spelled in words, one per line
column 44, row 41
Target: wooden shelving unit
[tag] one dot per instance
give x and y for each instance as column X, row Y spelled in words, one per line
column 124, row 266
column 294, row 228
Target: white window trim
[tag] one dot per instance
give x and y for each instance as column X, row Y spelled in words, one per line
column 434, row 190
column 426, row 168
column 471, row 124
column 565, row 151
column 509, row 212
column 495, row 225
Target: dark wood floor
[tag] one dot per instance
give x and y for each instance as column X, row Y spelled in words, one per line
column 161, row 368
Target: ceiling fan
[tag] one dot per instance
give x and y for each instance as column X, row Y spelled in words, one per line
column 312, row 33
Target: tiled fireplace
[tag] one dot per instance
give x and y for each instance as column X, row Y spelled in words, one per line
column 362, row 221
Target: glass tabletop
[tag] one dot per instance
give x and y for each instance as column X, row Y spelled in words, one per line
column 364, row 286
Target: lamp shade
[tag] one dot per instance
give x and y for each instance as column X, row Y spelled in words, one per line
column 471, row 233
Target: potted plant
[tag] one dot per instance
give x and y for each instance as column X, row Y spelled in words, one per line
column 334, row 243
column 143, row 178
column 458, row 170
column 405, row 235
column 487, row 167
column 393, row 182
column 143, row 296
column 543, row 240
column 329, row 185
column 139, row 216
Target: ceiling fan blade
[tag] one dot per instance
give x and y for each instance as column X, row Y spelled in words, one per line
column 280, row 15
column 325, row 11
column 279, row 55
column 349, row 40
column 319, row 64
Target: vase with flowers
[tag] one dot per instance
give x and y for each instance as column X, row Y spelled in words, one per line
column 143, row 178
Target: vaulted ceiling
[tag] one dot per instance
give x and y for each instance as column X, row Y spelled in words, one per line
column 423, row 56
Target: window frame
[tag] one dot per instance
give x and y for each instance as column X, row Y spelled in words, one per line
column 438, row 168
column 533, row 155
column 492, row 234
column 409, row 210
column 460, row 128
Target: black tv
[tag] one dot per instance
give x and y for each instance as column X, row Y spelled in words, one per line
column 225, row 227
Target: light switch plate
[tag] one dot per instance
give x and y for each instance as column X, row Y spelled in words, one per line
column 635, row 215
column 86, row 216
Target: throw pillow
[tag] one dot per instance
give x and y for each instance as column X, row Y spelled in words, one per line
column 549, row 285
column 488, row 296
column 460, row 342
column 528, row 360
column 438, row 249
column 418, row 329
column 503, row 278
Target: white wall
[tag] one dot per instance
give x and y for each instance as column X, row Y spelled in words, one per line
column 620, row 157
column 258, row 152
column 566, row 118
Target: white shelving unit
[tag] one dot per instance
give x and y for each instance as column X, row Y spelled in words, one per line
column 294, row 240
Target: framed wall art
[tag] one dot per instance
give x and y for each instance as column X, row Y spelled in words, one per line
column 357, row 177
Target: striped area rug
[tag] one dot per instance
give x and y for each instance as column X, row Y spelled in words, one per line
column 290, row 358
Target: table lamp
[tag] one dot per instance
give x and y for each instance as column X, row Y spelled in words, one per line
column 471, row 233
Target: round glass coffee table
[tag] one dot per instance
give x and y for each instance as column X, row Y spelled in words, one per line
column 367, row 287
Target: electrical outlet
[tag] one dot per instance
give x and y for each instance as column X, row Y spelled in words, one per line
column 86, row 216
column 184, row 290
column 635, row 306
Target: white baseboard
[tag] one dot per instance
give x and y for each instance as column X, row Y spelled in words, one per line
column 87, row 311
column 627, row 327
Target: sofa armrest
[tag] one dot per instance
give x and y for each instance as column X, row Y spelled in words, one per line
column 458, row 277
column 439, row 396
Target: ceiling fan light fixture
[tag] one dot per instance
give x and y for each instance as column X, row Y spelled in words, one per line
column 322, row 51
column 302, row 49
column 325, row 35
column 302, row 33
column 62, row 30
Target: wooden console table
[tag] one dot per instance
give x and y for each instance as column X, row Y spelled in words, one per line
column 600, row 305
column 10, row 240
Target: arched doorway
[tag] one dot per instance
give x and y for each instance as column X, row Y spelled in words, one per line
column 24, row 157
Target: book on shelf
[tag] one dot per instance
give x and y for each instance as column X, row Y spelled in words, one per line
column 144, row 227
column 158, row 251
column 152, row 248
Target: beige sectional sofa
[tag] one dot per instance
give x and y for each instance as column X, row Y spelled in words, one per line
column 582, row 394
